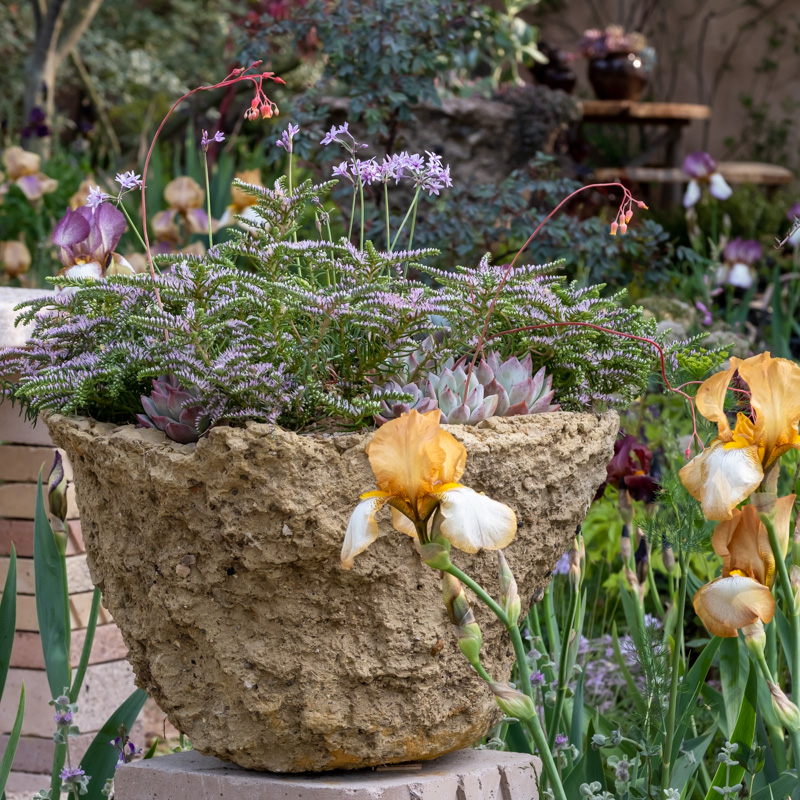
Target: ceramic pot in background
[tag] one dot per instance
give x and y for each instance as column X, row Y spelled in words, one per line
column 618, row 76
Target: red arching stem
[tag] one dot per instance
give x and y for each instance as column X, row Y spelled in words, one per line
column 624, row 213
column 652, row 343
column 625, row 206
column 261, row 100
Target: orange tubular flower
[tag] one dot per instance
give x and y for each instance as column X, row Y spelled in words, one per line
column 417, row 466
column 733, row 465
column 742, row 595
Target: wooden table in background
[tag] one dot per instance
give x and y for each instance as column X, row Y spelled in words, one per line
column 671, row 117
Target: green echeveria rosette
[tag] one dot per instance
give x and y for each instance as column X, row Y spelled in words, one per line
column 495, row 388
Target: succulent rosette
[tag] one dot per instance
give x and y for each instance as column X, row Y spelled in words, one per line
column 702, row 169
column 497, row 388
column 86, row 239
column 175, row 410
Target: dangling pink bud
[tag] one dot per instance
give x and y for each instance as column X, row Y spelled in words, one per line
column 614, row 226
column 628, row 215
column 623, row 229
column 642, row 205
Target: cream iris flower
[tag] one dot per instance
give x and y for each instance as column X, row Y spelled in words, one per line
column 742, row 595
column 417, row 466
column 733, row 465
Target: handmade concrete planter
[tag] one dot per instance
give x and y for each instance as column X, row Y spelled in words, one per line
column 220, row 564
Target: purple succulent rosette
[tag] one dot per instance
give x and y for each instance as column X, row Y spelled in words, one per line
column 701, row 168
column 87, row 237
column 174, row 410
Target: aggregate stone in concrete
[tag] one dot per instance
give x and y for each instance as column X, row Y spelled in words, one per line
column 220, row 562
column 463, row 775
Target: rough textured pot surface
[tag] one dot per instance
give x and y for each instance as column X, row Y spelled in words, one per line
column 220, row 564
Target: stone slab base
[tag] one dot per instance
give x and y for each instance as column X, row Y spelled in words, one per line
column 463, row 775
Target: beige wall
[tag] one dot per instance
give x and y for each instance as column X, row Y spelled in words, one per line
column 709, row 52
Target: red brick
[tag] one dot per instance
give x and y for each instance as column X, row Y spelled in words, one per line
column 15, row 429
column 107, row 646
column 20, row 533
column 22, row 462
column 18, row 501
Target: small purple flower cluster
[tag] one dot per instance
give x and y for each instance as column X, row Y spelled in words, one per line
column 128, row 181
column 205, row 139
column 287, row 137
column 426, row 175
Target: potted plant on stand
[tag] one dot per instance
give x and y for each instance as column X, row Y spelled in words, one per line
column 218, row 527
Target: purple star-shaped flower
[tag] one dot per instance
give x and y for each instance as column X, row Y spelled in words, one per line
column 129, row 180
column 205, row 141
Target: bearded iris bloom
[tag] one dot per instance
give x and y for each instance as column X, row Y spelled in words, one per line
column 185, row 199
column 417, row 466
column 734, row 464
column 739, row 256
column 23, row 171
column 742, row 595
column 701, row 168
column 86, row 239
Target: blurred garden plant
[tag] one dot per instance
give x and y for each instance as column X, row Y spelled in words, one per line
column 53, row 613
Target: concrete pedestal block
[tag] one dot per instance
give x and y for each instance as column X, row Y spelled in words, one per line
column 463, row 775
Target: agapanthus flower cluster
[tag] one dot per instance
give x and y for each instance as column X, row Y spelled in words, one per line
column 428, row 175
column 128, row 181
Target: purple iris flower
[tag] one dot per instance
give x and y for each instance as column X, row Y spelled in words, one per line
column 748, row 251
column 701, row 168
column 739, row 255
column 87, row 238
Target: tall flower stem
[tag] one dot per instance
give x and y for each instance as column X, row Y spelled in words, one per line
column 208, row 201
column 386, row 208
column 793, row 735
column 549, row 620
column 794, row 617
column 666, row 768
column 405, row 218
column 561, row 689
column 533, row 724
column 124, row 210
